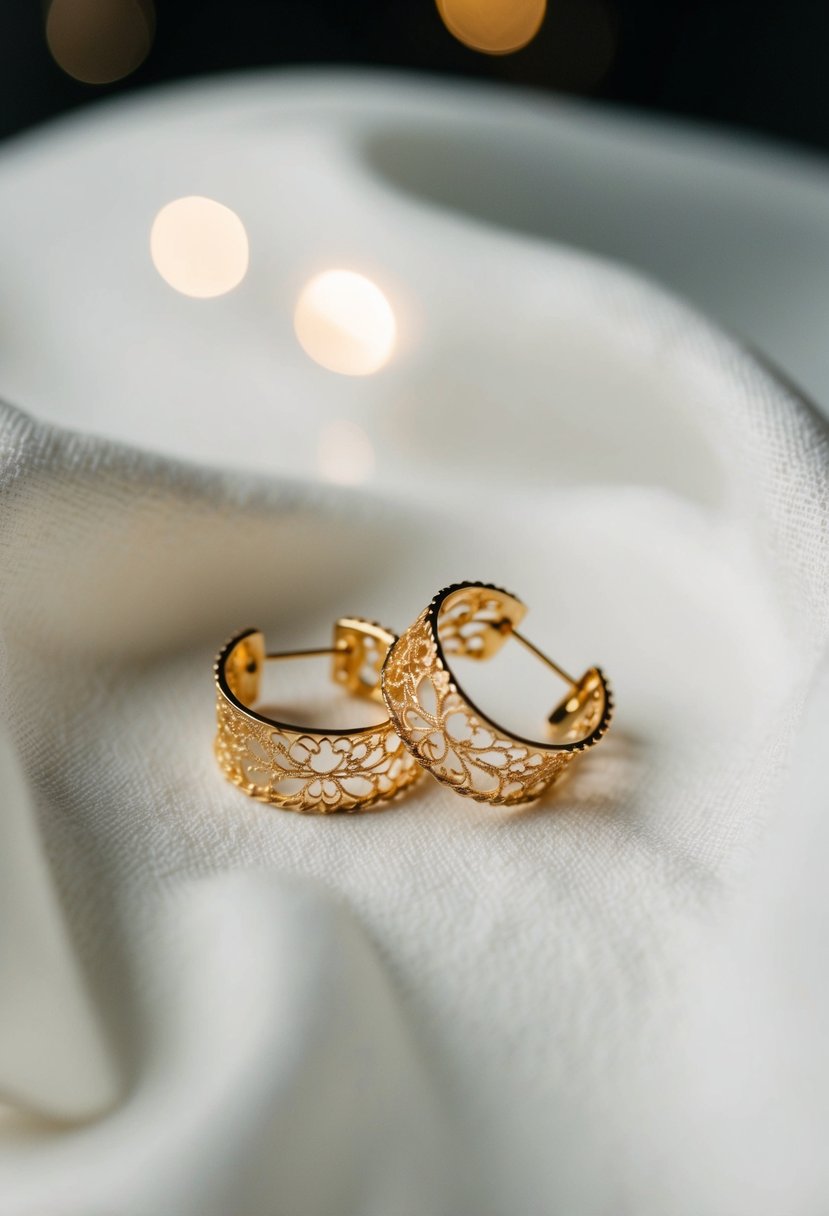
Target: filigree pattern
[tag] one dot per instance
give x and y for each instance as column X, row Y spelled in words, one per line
column 305, row 770
column 467, row 621
column 442, row 728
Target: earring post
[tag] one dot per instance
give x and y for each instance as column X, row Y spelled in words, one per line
column 539, row 654
column 318, row 652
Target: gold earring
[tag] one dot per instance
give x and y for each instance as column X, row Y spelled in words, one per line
column 309, row 770
column 448, row 734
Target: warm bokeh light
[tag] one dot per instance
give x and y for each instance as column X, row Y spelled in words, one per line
column 495, row 27
column 99, row 41
column 344, row 322
column 199, row 246
column 345, row 454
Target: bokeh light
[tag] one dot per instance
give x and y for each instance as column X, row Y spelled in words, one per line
column 199, row 247
column 345, row 323
column 100, row 41
column 495, row 27
column 345, row 454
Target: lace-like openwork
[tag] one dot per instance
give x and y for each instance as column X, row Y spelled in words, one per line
column 448, row 734
column 309, row 770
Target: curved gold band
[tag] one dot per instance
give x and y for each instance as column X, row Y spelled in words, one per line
column 309, row 770
column 448, row 734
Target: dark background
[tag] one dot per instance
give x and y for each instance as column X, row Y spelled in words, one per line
column 738, row 64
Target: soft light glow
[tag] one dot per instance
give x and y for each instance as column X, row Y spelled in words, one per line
column 345, row 454
column 344, row 322
column 199, row 246
column 495, row 27
column 99, row 41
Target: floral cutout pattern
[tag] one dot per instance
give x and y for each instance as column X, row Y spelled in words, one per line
column 305, row 771
column 459, row 746
column 466, row 621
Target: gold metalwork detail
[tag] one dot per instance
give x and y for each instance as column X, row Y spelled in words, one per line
column 448, row 734
column 309, row 770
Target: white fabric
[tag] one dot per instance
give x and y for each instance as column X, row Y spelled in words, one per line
column 612, row 1002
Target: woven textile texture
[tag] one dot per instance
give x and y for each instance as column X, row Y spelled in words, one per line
column 613, row 1002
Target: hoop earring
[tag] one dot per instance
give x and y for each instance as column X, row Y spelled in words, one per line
column 447, row 733
column 291, row 767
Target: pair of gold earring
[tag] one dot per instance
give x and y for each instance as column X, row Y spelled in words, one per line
column 432, row 723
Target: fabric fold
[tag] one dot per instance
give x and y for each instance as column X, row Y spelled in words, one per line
column 441, row 1008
